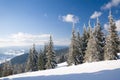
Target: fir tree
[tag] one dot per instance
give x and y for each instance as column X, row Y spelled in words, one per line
column 99, row 35
column 72, row 49
column 44, row 54
column 84, row 39
column 112, row 41
column 41, row 61
column 75, row 55
column 50, row 55
column 92, row 52
column 79, row 55
column 32, row 63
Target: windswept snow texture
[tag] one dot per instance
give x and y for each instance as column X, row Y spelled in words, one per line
column 104, row 70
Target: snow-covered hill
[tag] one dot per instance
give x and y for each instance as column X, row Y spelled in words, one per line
column 104, row 70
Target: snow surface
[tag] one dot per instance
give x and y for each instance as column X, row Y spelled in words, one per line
column 104, row 70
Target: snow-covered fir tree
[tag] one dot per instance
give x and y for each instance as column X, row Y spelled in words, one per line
column 75, row 55
column 50, row 56
column 79, row 55
column 41, row 61
column 45, row 50
column 92, row 52
column 85, row 37
column 99, row 35
column 112, row 41
column 32, row 62
column 84, row 40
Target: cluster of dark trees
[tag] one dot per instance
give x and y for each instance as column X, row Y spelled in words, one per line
column 93, row 45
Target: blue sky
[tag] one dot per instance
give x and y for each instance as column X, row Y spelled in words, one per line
column 34, row 20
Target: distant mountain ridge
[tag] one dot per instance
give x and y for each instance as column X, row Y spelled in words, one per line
column 20, row 59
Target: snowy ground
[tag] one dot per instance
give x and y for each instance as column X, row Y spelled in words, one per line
column 104, row 70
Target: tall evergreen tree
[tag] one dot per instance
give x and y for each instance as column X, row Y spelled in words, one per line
column 79, row 55
column 32, row 62
column 112, row 41
column 44, row 54
column 84, row 39
column 41, row 61
column 92, row 52
column 75, row 51
column 50, row 55
column 99, row 35
column 72, row 49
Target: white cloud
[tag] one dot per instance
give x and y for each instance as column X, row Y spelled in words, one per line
column 95, row 15
column 106, row 26
column 23, row 39
column 70, row 18
column 112, row 3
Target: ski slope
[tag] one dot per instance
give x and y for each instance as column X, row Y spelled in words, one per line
column 104, row 70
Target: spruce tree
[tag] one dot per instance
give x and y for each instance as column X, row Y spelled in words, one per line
column 99, row 35
column 32, row 62
column 112, row 41
column 75, row 55
column 72, row 49
column 92, row 52
column 50, row 55
column 41, row 61
column 79, row 55
column 44, row 54
column 84, row 40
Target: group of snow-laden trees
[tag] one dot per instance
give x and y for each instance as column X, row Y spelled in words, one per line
column 7, row 69
column 93, row 45
column 46, row 59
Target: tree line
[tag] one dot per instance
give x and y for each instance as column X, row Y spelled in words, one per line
column 92, row 46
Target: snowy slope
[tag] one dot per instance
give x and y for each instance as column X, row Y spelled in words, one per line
column 104, row 70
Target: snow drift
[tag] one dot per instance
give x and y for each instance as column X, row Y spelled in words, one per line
column 104, row 70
